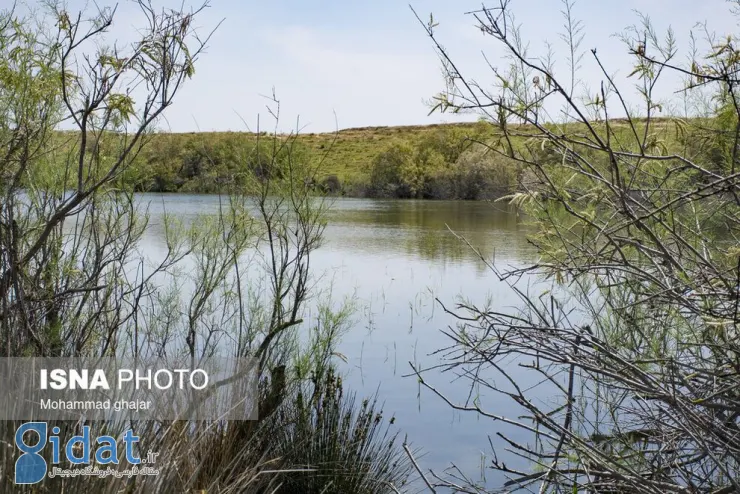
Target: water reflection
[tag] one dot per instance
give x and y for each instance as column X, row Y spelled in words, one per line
column 413, row 229
column 422, row 229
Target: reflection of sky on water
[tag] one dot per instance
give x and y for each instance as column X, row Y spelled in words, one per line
column 397, row 257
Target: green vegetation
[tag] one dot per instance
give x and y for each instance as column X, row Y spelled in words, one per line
column 353, row 162
column 74, row 283
column 341, row 445
column 626, row 329
column 636, row 225
column 444, row 161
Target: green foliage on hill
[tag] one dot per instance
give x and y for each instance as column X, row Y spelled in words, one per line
column 446, row 161
column 348, row 162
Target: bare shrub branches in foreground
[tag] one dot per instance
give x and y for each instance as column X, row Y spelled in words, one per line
column 77, row 277
column 635, row 347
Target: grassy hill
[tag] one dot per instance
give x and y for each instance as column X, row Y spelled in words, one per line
column 351, row 152
column 348, row 154
column 441, row 161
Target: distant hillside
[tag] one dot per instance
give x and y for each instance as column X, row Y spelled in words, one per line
column 438, row 161
column 347, row 153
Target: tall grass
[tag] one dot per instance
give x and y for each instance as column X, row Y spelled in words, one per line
column 336, row 444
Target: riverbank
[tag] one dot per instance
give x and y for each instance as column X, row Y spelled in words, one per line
column 441, row 161
column 424, row 162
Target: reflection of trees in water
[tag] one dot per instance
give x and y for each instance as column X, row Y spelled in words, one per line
column 509, row 247
column 417, row 229
column 422, row 228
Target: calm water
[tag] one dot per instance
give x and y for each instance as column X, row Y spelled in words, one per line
column 396, row 257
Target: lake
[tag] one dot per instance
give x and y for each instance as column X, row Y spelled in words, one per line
column 396, row 257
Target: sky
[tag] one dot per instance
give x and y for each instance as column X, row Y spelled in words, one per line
column 337, row 64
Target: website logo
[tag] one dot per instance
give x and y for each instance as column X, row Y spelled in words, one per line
column 31, row 467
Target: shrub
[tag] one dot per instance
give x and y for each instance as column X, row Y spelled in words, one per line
column 386, row 172
column 343, row 447
column 481, row 173
column 331, row 185
column 628, row 324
